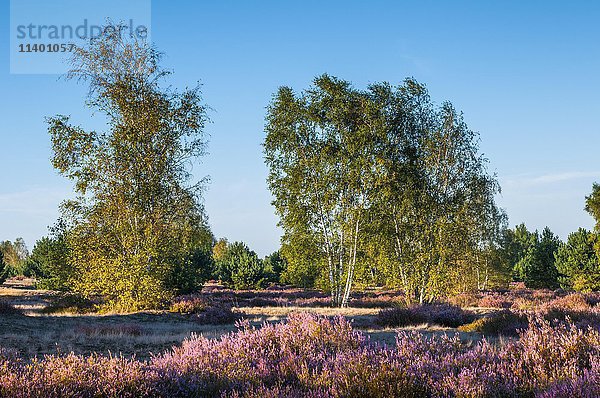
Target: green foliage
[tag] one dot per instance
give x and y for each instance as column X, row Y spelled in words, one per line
column 15, row 256
column 137, row 229
column 3, row 268
column 219, row 249
column 532, row 256
column 317, row 149
column 592, row 204
column 49, row 260
column 381, row 184
column 578, row 262
column 240, row 267
column 539, row 263
column 191, row 271
column 505, row 322
column 274, row 264
column 305, row 263
column 516, row 245
column 69, row 303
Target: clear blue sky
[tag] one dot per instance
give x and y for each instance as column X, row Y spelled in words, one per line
column 525, row 74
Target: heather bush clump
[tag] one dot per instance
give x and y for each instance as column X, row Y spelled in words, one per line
column 464, row 299
column 439, row 314
column 191, row 304
column 573, row 302
column 505, row 323
column 204, row 309
column 76, row 376
column 218, row 314
column 278, row 296
column 398, row 317
column 494, row 301
column 283, row 354
column 318, row 357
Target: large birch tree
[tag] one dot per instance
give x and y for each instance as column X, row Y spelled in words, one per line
column 137, row 228
column 385, row 182
column 318, row 152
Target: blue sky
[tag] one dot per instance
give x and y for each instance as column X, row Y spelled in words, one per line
column 525, row 74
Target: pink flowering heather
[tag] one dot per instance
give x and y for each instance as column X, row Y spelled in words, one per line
column 277, row 296
column 315, row 357
column 439, row 314
column 205, row 310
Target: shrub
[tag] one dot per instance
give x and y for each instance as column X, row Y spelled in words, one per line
column 318, row 357
column 464, row 300
column 494, row 301
column 578, row 262
column 447, row 315
column 205, row 310
column 190, row 304
column 573, row 302
column 384, row 299
column 240, row 267
column 218, row 314
column 398, row 317
column 440, row 314
column 505, row 323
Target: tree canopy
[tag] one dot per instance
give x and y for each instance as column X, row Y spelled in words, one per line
column 578, row 263
column 136, row 226
column 380, row 180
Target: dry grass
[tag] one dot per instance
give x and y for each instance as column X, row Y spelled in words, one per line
column 141, row 334
column 135, row 334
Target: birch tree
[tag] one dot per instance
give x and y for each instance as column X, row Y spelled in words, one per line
column 436, row 201
column 318, row 153
column 137, row 223
column 387, row 182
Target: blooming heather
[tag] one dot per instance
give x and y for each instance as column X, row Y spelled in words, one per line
column 311, row 356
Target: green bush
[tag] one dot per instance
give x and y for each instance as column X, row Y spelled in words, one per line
column 578, row 263
column 240, row 267
column 505, row 323
column 191, row 304
column 274, row 265
column 49, row 261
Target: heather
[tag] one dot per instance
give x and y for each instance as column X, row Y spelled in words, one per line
column 439, row 314
column 313, row 356
column 505, row 323
column 520, row 298
column 286, row 296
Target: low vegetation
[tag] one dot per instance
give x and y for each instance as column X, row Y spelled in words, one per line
column 313, row 356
